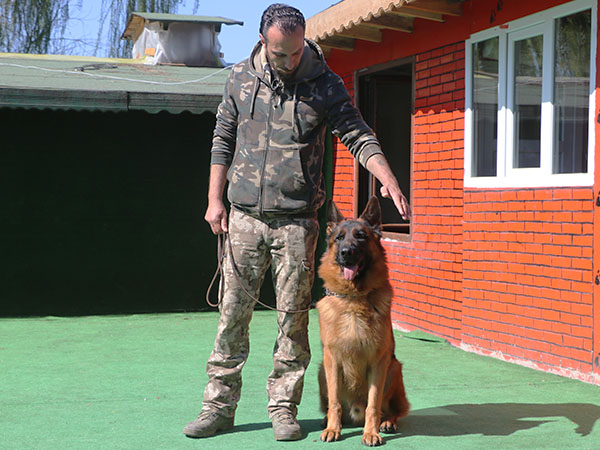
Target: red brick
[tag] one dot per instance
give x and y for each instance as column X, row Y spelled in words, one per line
column 582, row 240
column 583, row 194
column 423, row 56
column 562, row 328
column 581, row 331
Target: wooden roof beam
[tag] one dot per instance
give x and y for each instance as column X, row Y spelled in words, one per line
column 391, row 22
column 337, row 42
column 326, row 50
column 407, row 11
column 447, row 7
column 361, row 32
column 135, row 26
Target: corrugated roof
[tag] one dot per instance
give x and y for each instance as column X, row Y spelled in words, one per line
column 346, row 14
column 138, row 19
column 71, row 82
column 340, row 24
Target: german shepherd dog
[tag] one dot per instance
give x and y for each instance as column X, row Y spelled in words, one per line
column 360, row 380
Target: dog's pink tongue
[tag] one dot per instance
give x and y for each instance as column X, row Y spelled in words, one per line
column 350, row 272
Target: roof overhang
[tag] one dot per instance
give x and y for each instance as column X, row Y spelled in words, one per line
column 137, row 21
column 114, row 101
column 348, row 20
column 105, row 84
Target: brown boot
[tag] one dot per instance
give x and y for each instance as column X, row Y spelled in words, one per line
column 286, row 427
column 207, row 424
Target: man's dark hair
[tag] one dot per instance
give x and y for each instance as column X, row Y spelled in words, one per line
column 284, row 17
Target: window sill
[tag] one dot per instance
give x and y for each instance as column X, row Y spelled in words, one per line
column 559, row 180
column 390, row 236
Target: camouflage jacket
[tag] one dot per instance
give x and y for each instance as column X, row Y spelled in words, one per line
column 271, row 133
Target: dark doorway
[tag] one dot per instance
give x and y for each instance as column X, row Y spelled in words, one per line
column 386, row 103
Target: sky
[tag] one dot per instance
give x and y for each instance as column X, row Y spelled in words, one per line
column 236, row 41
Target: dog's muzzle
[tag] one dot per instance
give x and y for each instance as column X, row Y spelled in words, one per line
column 349, row 261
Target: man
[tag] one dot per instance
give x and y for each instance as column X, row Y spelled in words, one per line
column 269, row 143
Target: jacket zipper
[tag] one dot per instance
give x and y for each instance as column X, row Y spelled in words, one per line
column 262, row 175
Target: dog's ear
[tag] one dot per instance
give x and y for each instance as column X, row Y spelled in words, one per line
column 372, row 214
column 334, row 216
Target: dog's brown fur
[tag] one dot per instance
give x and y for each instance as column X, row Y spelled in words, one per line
column 360, row 380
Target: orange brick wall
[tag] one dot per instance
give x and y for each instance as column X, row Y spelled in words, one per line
column 527, row 276
column 596, row 254
column 502, row 272
column 343, row 167
column 427, row 275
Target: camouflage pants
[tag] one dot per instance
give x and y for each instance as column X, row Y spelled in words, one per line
column 288, row 246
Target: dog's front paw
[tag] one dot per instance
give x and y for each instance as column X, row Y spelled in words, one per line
column 330, row 435
column 387, row 426
column 372, row 439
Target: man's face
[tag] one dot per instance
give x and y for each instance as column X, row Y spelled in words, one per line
column 284, row 51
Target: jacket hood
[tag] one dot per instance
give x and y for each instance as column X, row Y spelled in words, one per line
column 312, row 64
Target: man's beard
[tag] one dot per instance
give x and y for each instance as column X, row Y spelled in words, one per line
column 284, row 75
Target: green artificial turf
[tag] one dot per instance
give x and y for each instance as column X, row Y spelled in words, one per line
column 133, row 382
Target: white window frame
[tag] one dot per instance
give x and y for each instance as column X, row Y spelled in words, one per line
column 506, row 175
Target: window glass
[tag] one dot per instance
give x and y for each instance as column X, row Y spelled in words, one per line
column 528, row 101
column 571, row 92
column 485, row 107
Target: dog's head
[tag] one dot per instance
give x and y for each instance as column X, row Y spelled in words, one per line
column 351, row 239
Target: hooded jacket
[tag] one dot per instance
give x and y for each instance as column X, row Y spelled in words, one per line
column 271, row 133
